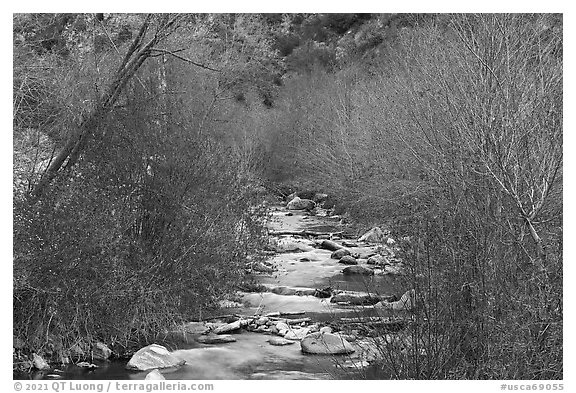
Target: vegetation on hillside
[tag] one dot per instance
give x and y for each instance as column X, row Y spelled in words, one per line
column 140, row 143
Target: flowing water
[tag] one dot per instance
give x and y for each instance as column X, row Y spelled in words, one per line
column 251, row 356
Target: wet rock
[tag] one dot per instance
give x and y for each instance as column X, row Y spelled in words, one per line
column 298, row 203
column 39, row 363
column 216, row 339
column 374, row 235
column 279, row 341
column 154, row 375
column 325, row 344
column 101, row 351
column 338, row 254
column 356, row 299
column 360, row 270
column 196, row 328
column 297, row 334
column 348, row 260
column 330, row 245
column 152, row 356
column 406, row 303
column 229, row 327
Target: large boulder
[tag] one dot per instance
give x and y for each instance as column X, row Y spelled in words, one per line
column 151, row 357
column 325, row 344
column 301, row 204
column 361, row 270
column 374, row 235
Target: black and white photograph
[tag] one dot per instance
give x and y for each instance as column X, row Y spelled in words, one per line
column 201, row 197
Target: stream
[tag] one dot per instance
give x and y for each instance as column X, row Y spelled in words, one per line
column 251, row 356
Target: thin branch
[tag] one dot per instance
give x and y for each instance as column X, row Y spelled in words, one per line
column 173, row 53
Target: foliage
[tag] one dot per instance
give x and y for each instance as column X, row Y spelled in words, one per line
column 456, row 137
column 150, row 227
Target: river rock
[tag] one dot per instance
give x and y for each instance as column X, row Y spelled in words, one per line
column 374, row 235
column 298, row 203
column 101, row 352
column 338, row 254
column 39, row 362
column 356, row 299
column 325, row 344
column 378, row 260
column 326, row 329
column 229, row 327
column 348, row 260
column 350, row 270
column 297, row 334
column 216, row 339
column 262, row 321
column 154, row 375
column 279, row 341
column 153, row 356
column 282, row 326
column 330, row 245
